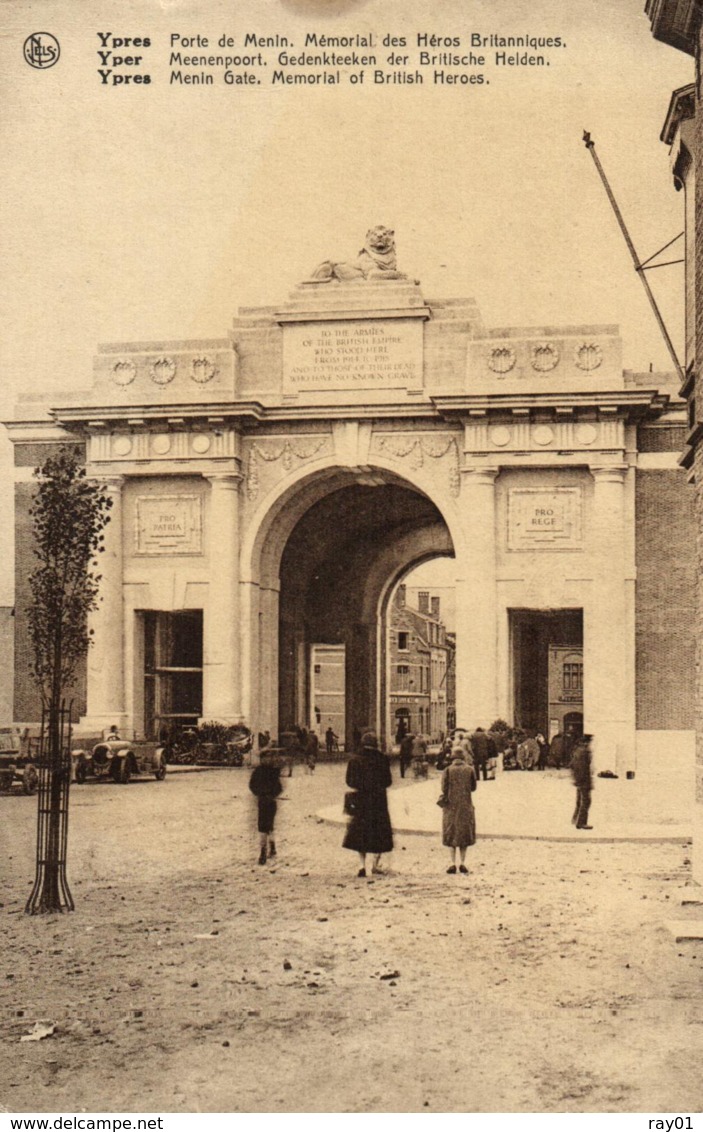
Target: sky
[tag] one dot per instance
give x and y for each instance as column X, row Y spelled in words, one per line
column 156, row 211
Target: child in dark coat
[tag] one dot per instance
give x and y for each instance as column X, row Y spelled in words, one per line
column 265, row 784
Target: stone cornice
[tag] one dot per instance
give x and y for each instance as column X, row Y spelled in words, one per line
column 629, row 402
column 285, row 317
column 633, row 403
column 30, row 431
column 681, row 107
column 689, row 382
column 694, row 438
column 92, row 418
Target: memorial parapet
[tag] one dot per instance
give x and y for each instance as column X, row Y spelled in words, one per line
column 353, row 337
column 165, row 373
column 354, row 342
column 545, row 359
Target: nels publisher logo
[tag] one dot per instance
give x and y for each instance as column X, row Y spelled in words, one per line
column 41, row 50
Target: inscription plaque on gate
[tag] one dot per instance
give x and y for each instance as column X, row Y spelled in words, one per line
column 544, row 518
column 168, row 524
column 351, row 355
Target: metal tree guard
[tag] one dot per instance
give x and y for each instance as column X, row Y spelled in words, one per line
column 51, row 892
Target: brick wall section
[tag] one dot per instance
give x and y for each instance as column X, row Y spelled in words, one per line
column 661, row 438
column 665, row 599
column 32, row 455
column 27, row 704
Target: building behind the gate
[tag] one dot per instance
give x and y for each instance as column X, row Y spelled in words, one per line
column 420, row 655
column 679, row 24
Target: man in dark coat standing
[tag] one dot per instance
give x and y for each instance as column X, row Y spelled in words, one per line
column 557, row 750
column 583, row 781
column 480, row 748
column 330, row 739
column 406, row 752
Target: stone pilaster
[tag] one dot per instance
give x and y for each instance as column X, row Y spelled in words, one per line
column 105, row 664
column 608, row 629
column 476, row 601
column 221, row 644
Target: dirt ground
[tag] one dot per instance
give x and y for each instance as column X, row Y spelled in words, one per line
column 191, row 979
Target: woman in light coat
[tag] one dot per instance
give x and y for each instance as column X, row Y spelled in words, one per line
column 458, row 816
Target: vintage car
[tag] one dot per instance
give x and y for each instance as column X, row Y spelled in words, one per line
column 119, row 759
column 17, row 763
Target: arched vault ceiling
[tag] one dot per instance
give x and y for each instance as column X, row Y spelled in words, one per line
column 346, row 546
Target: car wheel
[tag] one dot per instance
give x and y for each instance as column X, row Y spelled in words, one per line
column 30, row 780
column 124, row 774
column 160, row 772
column 81, row 772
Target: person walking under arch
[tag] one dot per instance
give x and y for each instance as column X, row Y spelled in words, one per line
column 311, row 752
column 330, row 740
column 406, row 752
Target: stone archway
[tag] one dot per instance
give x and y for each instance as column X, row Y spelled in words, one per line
column 321, row 574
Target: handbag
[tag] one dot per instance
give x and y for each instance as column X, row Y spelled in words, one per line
column 443, row 801
column 351, row 802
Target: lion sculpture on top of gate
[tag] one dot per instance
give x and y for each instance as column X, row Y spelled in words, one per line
column 376, row 260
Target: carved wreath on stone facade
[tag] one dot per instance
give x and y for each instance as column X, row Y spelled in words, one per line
column 588, row 356
column 202, row 370
column 545, row 356
column 124, row 372
column 286, row 452
column 162, row 370
column 502, row 359
column 418, row 448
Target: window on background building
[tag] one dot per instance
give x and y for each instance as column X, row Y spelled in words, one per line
column 403, row 642
column 573, row 677
column 403, row 672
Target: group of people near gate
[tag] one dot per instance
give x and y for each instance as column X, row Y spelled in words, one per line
column 303, row 743
column 523, row 750
column 369, row 832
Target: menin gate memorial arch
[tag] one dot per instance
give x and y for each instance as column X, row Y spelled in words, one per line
column 270, row 488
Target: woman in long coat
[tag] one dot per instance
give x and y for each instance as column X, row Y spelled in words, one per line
column 369, row 829
column 458, row 815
